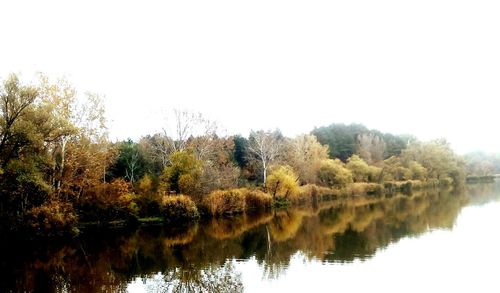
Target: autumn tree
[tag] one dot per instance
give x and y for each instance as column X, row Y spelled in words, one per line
column 371, row 147
column 16, row 105
column 393, row 169
column 219, row 170
column 305, row 154
column 24, row 133
column 361, row 171
column 333, row 173
column 282, row 183
column 182, row 175
column 438, row 159
column 482, row 164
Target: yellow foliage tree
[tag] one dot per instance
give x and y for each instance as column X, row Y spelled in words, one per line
column 305, row 155
column 334, row 173
column 282, row 182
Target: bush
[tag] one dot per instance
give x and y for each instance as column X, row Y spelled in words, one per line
column 363, row 188
column 178, row 208
column 333, row 173
column 283, row 183
column 107, row 202
column 52, row 218
column 225, row 202
column 312, row 192
column 256, row 199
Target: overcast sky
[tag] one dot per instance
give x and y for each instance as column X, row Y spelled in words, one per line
column 430, row 68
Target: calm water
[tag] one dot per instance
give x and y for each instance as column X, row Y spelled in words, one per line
column 433, row 241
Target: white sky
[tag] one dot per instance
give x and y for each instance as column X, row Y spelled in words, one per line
column 427, row 67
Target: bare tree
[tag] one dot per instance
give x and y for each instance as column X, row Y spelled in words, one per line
column 132, row 163
column 264, row 146
column 371, row 147
column 182, row 130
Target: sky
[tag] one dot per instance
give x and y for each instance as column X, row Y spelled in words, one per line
column 430, row 67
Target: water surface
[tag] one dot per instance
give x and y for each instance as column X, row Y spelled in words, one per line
column 428, row 241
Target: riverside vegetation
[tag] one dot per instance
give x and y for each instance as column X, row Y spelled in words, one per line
column 60, row 172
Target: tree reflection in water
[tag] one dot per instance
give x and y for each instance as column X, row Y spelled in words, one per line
column 201, row 257
column 190, row 279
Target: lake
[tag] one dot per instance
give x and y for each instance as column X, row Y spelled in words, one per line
column 428, row 241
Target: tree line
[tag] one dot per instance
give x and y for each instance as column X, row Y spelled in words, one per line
column 58, row 167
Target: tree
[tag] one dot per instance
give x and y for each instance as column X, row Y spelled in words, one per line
column 482, row 164
column 219, row 169
column 340, row 138
column 305, row 155
column 283, row 182
column 59, row 99
column 438, row 159
column 395, row 144
column 16, row 101
column 183, row 174
column 393, row 169
column 361, row 171
column 240, row 147
column 371, row 147
column 333, row 173
column 264, row 146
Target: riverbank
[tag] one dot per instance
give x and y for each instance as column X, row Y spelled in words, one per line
column 179, row 210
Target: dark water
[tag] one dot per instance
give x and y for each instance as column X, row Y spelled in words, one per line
column 432, row 241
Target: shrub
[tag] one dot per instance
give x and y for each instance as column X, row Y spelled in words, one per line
column 108, row 202
column 225, row 202
column 312, row 192
column 333, row 173
column 53, row 217
column 418, row 171
column 359, row 168
column 363, row 188
column 283, row 183
column 256, row 199
column 178, row 207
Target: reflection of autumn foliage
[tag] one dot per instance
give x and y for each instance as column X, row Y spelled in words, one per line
column 190, row 257
column 229, row 228
column 285, row 225
column 182, row 237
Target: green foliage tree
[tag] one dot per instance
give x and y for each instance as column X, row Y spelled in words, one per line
column 340, row 138
column 182, row 174
column 130, row 162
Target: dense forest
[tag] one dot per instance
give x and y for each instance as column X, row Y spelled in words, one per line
column 59, row 170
